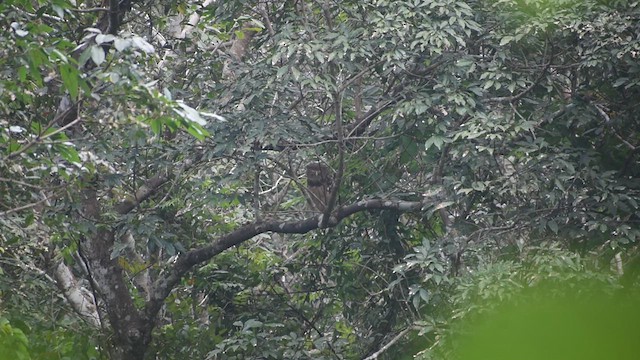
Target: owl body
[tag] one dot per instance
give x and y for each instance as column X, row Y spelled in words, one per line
column 319, row 183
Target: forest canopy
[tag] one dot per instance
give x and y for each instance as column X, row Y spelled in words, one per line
column 309, row 179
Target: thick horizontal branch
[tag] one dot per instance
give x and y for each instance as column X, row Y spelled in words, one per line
column 186, row 261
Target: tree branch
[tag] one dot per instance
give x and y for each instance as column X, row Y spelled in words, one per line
column 89, row 10
column 164, row 284
column 389, row 344
column 359, row 127
column 80, row 298
column 46, row 135
column 144, row 192
column 28, row 206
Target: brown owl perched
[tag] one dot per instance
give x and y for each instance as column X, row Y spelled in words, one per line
column 319, row 182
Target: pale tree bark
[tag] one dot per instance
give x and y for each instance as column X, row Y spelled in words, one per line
column 236, row 53
column 79, row 297
column 183, row 32
column 132, row 332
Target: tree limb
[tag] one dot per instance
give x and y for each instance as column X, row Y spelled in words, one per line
column 80, row 298
column 144, row 192
column 40, row 137
column 185, row 262
column 389, row 344
column 30, row 205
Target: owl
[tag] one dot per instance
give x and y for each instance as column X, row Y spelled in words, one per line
column 319, row 183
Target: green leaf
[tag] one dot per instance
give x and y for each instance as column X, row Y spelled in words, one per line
column 620, row 81
column 436, row 141
column 252, row 323
column 97, row 54
column 84, row 57
column 121, row 44
column 443, row 205
column 68, row 152
column 416, row 301
column 13, row 146
column 478, row 186
column 156, row 126
column 189, row 113
column 505, row 40
column 118, row 249
column 198, row 131
column 22, row 73
column 103, row 38
column 70, row 77
column 281, row 71
column 296, row 73
column 142, row 44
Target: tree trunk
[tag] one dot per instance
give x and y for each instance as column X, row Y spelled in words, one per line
column 131, row 330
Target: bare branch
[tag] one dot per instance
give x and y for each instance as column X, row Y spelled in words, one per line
column 80, row 298
column 20, row 183
column 359, row 75
column 389, row 344
column 144, row 192
column 184, row 263
column 265, row 18
column 39, row 138
column 28, row 206
column 89, row 10
column 359, row 127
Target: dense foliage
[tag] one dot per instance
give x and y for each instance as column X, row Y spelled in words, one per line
column 153, row 200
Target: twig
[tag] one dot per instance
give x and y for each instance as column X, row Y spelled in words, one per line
column 25, row 207
column 267, row 21
column 43, row 137
column 90, row 10
column 509, row 99
column 358, row 75
column 19, row 183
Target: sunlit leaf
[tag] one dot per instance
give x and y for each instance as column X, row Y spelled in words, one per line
column 97, row 54
column 142, row 44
